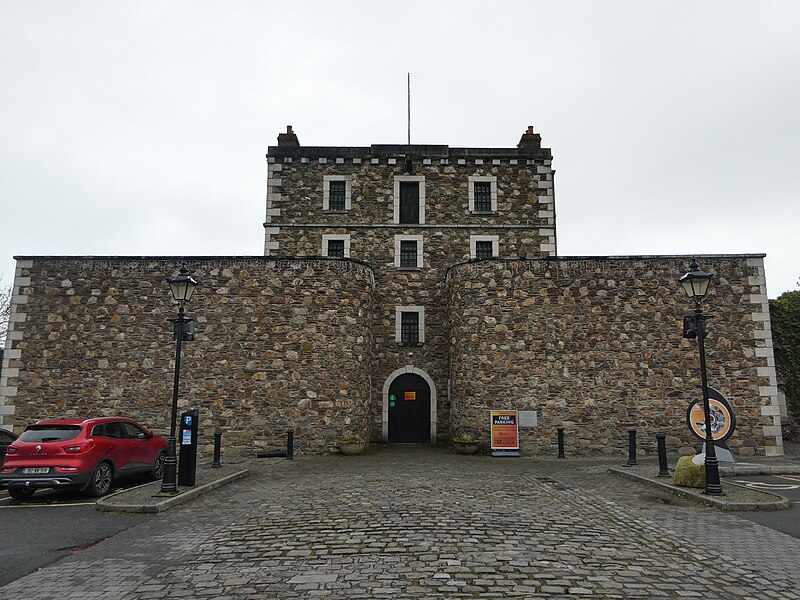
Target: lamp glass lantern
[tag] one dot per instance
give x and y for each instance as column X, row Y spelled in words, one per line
column 695, row 282
column 182, row 285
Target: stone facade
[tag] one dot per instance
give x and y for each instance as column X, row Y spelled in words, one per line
column 594, row 345
column 90, row 337
column 301, row 340
column 522, row 223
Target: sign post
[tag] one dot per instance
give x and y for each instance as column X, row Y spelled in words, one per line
column 723, row 424
column 505, row 432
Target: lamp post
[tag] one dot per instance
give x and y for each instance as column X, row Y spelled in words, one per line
column 182, row 287
column 695, row 284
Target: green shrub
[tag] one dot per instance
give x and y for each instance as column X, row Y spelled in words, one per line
column 784, row 313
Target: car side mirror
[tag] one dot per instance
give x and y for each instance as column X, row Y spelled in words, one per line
column 142, row 436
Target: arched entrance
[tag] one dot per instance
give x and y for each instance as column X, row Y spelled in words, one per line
column 409, row 407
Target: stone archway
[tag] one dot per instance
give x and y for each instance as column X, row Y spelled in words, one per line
column 408, row 369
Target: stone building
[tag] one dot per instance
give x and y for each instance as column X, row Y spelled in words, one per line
column 404, row 291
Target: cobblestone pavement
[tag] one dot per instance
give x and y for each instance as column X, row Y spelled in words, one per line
column 425, row 523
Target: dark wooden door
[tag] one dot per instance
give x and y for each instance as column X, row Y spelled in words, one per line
column 409, row 410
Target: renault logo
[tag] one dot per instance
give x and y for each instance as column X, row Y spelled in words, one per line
column 38, row 448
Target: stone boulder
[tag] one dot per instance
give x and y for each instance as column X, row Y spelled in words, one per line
column 688, row 474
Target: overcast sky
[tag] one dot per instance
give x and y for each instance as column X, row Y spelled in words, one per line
column 140, row 127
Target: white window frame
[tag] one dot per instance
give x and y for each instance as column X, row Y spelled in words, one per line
column 473, row 239
column 408, row 238
column 326, row 190
column 398, row 322
column 404, row 178
column 491, row 179
column 336, row 236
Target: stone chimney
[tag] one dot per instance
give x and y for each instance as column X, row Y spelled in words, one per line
column 530, row 140
column 289, row 138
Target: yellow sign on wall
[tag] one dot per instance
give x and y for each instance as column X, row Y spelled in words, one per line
column 409, row 395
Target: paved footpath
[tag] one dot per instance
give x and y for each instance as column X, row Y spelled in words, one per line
column 425, row 523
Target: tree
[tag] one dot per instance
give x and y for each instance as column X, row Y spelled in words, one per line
column 5, row 312
column 784, row 313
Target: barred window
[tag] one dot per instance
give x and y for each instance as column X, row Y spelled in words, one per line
column 483, row 196
column 409, row 328
column 408, row 253
column 482, row 193
column 336, row 195
column 483, row 249
column 336, row 248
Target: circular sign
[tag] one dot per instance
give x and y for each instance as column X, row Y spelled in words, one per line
column 723, row 420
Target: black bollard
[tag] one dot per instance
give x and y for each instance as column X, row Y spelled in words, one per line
column 663, row 471
column 217, row 448
column 631, row 448
column 560, row 442
column 290, row 445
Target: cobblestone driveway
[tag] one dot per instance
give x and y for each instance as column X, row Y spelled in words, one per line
column 424, row 523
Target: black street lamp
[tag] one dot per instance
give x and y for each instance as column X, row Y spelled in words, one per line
column 695, row 283
column 182, row 287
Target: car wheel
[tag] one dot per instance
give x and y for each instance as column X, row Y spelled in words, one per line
column 21, row 493
column 158, row 467
column 100, row 482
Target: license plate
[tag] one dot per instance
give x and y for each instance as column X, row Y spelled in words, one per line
column 36, row 471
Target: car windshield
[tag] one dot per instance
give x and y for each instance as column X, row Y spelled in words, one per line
column 50, row 433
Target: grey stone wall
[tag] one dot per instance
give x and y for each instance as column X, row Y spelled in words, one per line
column 524, row 224
column 281, row 344
column 595, row 345
column 524, row 194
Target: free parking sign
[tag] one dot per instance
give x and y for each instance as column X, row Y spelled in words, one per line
column 505, row 430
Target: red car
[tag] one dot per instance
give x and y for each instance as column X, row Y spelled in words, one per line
column 84, row 454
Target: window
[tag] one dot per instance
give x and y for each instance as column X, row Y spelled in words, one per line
column 132, row 432
column 336, row 246
column 482, row 194
column 409, row 202
column 112, row 430
column 408, row 251
column 336, row 192
column 409, row 199
column 50, row 433
column 482, row 249
column 409, row 324
column 409, row 328
column 483, row 246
